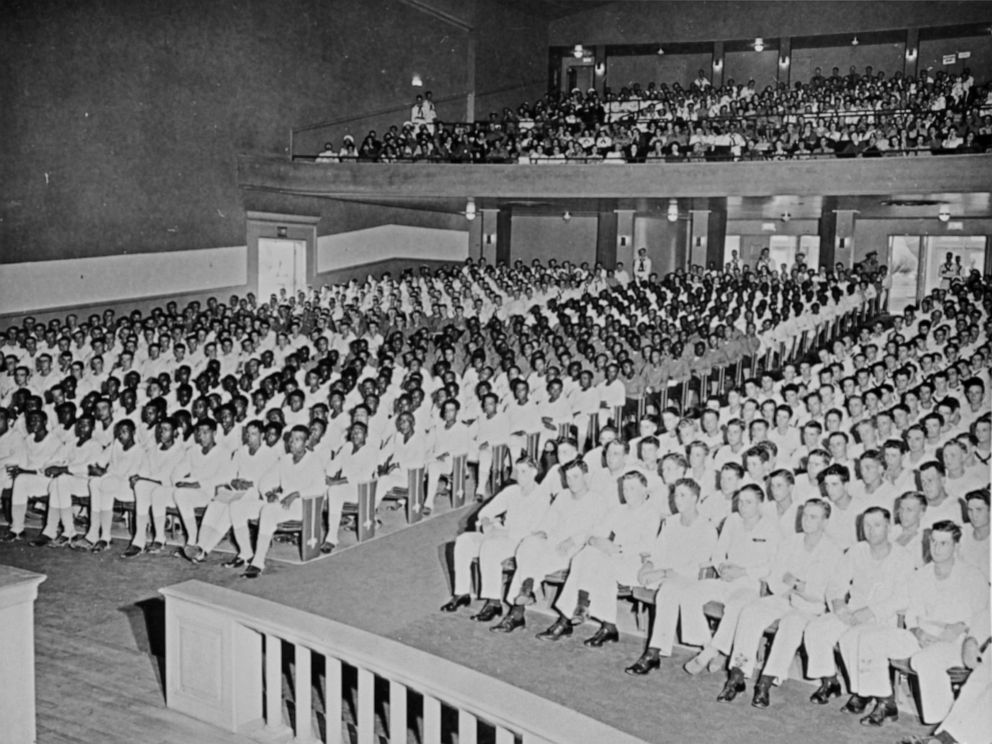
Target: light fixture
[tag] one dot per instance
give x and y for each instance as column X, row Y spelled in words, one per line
column 783, row 62
column 673, row 210
column 717, row 64
column 660, row 50
column 490, row 238
column 786, row 216
column 566, row 215
column 944, row 215
column 910, row 54
column 759, row 44
column 854, row 41
column 470, row 210
column 601, row 68
column 577, row 51
column 417, row 81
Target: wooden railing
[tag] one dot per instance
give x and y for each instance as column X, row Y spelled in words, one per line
column 225, row 666
column 18, row 591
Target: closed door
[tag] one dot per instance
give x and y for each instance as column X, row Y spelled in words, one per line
column 282, row 268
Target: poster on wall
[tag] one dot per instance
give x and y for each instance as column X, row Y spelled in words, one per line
column 950, row 59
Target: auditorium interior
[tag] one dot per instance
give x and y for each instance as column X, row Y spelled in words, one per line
column 763, row 195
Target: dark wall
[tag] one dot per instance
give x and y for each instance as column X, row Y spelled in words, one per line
column 121, row 119
column 690, row 20
column 511, row 58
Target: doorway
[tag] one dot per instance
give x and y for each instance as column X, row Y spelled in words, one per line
column 282, row 268
column 918, row 264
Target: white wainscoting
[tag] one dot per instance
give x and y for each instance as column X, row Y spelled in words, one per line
column 390, row 241
column 39, row 285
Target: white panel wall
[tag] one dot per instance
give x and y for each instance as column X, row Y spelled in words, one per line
column 40, row 285
column 390, row 241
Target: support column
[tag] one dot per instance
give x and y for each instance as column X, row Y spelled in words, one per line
column 911, row 59
column 699, row 231
column 475, row 237
column 785, row 60
column 18, row 591
column 503, row 222
column 599, row 70
column 606, row 240
column 716, row 235
column 626, row 250
column 473, row 36
column 716, row 67
column 837, row 238
column 488, row 234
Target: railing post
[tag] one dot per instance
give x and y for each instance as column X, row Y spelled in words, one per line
column 504, row 735
column 366, row 707
column 468, row 728
column 303, row 695
column 273, row 684
column 432, row 720
column 397, row 713
column 18, row 591
column 332, row 700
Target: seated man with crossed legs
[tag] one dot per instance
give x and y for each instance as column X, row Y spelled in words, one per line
column 237, row 501
column 798, row 581
column 298, row 473
column 501, row 524
column 613, row 555
column 563, row 531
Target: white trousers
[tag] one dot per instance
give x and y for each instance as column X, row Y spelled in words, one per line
column 820, row 637
column 683, row 598
column 270, row 517
column 188, row 500
column 751, row 625
column 491, row 548
column 104, row 491
column 598, row 574
column 154, row 499
column 968, row 720
column 536, row 558
column 866, row 656
column 60, row 493
column 221, row 517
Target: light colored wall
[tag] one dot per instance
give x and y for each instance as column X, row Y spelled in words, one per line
column 71, row 283
column 342, row 250
column 873, row 235
column 887, row 58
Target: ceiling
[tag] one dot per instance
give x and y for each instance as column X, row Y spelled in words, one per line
column 890, row 206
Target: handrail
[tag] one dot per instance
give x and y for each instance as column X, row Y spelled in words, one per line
column 651, row 158
column 491, row 700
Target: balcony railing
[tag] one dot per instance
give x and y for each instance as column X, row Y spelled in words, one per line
column 226, row 655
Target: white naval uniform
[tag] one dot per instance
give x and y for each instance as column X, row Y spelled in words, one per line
column 521, row 515
column 962, row 597
column 793, row 612
column 632, row 531
column 876, row 585
column 305, row 477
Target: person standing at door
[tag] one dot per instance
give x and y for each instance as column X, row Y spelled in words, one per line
column 642, row 266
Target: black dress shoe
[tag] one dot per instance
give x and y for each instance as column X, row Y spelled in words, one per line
column 734, row 686
column 855, row 704
column 461, row 600
column 884, row 708
column 326, row 548
column 100, row 546
column 607, row 633
column 762, row 691
column 489, row 612
column 155, row 547
column 13, row 537
column 560, row 628
column 235, row 562
column 644, row 665
column 41, row 541
column 132, row 551
column 510, row 623
column 829, row 687
column 252, row 572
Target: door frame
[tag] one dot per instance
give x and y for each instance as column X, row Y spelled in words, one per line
column 278, row 226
